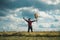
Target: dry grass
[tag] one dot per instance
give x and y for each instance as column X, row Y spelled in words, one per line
column 30, row 36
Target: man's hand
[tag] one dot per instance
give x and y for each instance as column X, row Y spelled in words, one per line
column 25, row 19
column 34, row 20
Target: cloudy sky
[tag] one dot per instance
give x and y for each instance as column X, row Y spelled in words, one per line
column 13, row 11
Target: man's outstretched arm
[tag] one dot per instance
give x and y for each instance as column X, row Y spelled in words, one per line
column 25, row 19
column 34, row 20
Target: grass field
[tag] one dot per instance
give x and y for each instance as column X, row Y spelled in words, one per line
column 30, row 36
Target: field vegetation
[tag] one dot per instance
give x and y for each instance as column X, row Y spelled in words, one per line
column 45, row 35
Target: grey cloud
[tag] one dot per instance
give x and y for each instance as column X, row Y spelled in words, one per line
column 27, row 3
column 8, row 4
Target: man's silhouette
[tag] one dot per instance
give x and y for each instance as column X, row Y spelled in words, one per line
column 29, row 24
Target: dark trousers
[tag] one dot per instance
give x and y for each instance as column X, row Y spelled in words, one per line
column 30, row 28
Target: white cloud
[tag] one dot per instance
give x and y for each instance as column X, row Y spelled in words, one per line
column 45, row 14
column 48, row 24
column 57, row 12
column 47, row 29
column 15, row 24
column 53, row 2
column 18, row 24
column 34, row 10
column 57, row 17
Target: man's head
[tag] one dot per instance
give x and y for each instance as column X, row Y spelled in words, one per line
column 29, row 19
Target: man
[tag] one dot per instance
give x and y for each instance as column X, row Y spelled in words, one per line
column 29, row 24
